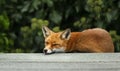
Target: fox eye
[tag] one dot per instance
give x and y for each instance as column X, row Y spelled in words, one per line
column 46, row 43
column 55, row 44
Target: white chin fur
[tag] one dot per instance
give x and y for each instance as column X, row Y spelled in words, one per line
column 49, row 51
column 59, row 49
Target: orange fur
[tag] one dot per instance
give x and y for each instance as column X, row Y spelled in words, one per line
column 91, row 40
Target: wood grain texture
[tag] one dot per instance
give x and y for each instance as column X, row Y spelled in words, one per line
column 60, row 62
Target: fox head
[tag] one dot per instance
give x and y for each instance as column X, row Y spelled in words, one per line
column 55, row 41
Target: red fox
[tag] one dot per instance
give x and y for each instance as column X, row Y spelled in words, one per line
column 94, row 40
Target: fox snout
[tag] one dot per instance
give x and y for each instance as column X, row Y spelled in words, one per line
column 47, row 51
column 54, row 50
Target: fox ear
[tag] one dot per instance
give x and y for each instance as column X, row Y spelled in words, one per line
column 46, row 31
column 66, row 34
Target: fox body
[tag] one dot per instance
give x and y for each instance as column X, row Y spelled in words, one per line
column 90, row 40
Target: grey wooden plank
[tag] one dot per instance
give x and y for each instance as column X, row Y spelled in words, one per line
column 61, row 57
column 60, row 66
column 60, row 62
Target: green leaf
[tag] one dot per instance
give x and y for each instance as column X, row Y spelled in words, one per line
column 34, row 20
column 108, row 17
column 56, row 29
column 4, row 22
column 100, row 24
column 83, row 20
column 18, row 50
column 77, row 24
column 25, row 29
column 49, row 3
column 68, row 11
column 97, row 9
column 46, row 22
column 36, row 3
column 55, row 17
column 119, row 4
column 41, row 14
column 2, row 2
column 25, row 7
column 77, row 8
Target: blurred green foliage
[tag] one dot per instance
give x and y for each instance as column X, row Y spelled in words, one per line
column 21, row 21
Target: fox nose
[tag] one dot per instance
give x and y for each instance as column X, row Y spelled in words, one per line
column 45, row 51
